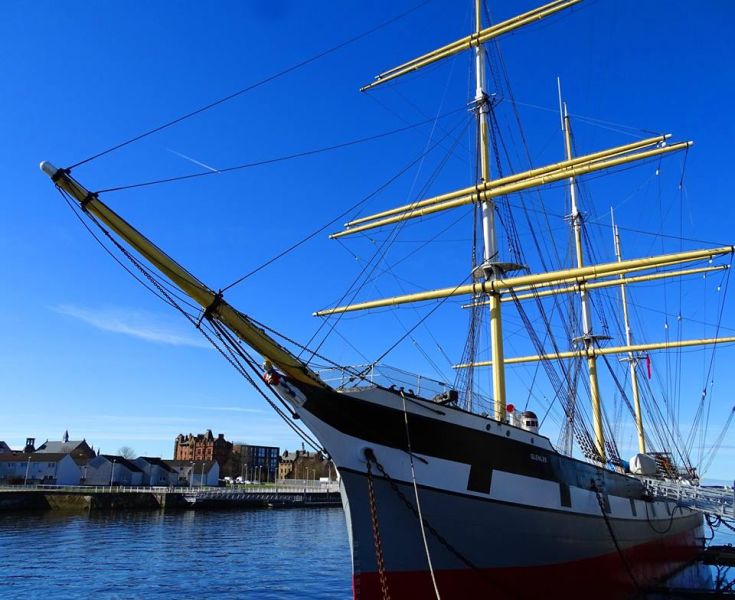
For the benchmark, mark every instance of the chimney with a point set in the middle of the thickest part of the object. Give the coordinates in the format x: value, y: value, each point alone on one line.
x: 65, y: 438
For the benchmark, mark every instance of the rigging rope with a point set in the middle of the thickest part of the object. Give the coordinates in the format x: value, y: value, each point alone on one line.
x: 416, y: 495
x: 484, y: 574
x: 253, y: 86
x: 285, y: 157
x: 603, y: 507
x: 344, y: 213
x: 356, y: 286
x: 168, y: 298
x: 70, y: 203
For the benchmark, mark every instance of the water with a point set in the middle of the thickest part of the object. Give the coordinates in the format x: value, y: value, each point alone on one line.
x: 260, y: 554
x: 263, y: 554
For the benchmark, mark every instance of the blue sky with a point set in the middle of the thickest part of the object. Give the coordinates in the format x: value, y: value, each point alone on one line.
x: 87, y: 349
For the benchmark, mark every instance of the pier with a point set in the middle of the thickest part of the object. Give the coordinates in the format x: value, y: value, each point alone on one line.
x: 68, y: 498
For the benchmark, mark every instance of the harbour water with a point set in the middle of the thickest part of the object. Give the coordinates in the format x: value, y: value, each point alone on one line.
x: 259, y: 554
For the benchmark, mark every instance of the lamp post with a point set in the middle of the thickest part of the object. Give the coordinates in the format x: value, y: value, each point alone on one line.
x: 191, y: 475
x: 201, y: 480
x: 28, y: 466
x: 112, y: 472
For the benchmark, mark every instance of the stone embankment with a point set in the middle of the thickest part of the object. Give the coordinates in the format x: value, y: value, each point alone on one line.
x: 123, y: 498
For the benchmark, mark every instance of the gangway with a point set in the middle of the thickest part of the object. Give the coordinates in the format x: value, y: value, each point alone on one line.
x: 713, y: 500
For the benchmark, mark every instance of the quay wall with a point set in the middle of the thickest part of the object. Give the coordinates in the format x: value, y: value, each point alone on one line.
x: 81, y: 500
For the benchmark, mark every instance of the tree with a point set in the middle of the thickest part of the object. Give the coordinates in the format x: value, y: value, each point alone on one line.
x: 126, y: 452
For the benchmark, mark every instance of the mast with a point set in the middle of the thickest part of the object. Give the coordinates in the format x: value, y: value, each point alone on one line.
x: 490, y: 267
x: 631, y: 359
x: 587, y: 339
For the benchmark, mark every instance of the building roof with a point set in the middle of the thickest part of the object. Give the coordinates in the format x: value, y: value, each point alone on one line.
x: 4, y: 448
x: 121, y: 461
x: 290, y: 456
x: 60, y: 447
x: 180, y: 464
x: 159, y: 462
x: 43, y: 457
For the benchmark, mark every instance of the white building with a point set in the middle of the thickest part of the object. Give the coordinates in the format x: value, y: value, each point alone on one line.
x: 49, y: 468
x: 106, y: 469
x: 195, y: 473
x: 156, y: 472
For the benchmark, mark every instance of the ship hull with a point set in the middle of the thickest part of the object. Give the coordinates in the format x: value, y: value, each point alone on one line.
x: 504, y: 514
x: 495, y: 550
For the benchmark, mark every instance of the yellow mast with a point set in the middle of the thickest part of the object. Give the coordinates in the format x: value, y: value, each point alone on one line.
x: 491, y: 266
x: 631, y: 359
x: 587, y: 339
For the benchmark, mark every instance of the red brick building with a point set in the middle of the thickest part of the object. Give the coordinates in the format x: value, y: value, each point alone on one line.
x: 203, y: 446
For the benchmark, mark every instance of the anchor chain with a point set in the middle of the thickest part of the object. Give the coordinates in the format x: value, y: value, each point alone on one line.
x: 604, y: 507
x: 376, y: 533
x: 371, y: 458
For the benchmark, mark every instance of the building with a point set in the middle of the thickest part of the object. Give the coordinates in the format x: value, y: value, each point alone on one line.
x: 4, y: 448
x: 46, y: 468
x: 203, y: 446
x: 285, y: 465
x: 156, y: 472
x: 303, y: 464
x: 259, y: 463
x: 195, y: 473
x: 107, y: 469
x: 77, y: 448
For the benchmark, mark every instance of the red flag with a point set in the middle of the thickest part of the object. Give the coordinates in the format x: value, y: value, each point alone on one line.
x: 648, y: 365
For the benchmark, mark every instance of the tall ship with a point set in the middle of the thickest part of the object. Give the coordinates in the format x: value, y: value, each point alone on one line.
x: 449, y: 493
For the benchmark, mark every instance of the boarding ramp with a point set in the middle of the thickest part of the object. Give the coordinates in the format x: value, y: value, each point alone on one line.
x: 713, y: 500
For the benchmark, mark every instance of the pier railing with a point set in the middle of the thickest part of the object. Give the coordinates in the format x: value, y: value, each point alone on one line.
x: 89, y: 489
x: 310, y: 488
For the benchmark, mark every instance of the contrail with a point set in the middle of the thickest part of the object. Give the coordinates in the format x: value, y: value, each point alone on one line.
x: 190, y: 159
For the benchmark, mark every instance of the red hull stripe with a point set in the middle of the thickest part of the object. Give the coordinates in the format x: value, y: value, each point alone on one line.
x: 602, y: 578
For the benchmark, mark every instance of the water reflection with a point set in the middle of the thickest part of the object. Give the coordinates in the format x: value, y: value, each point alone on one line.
x: 238, y: 554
